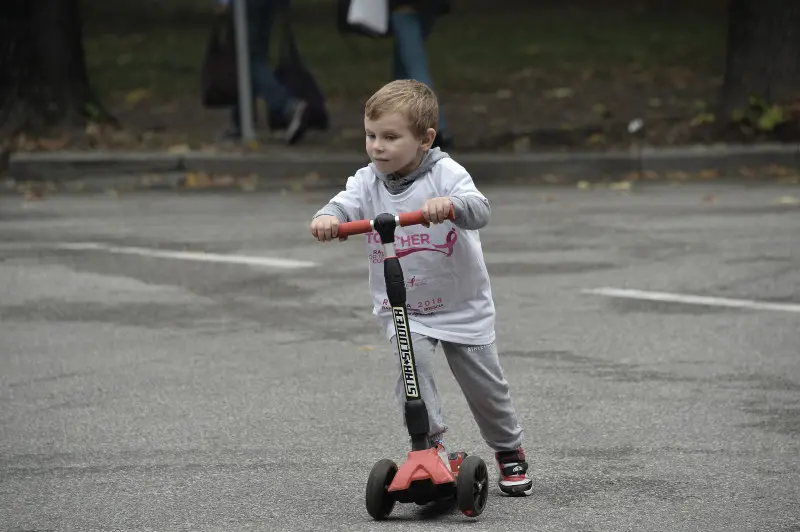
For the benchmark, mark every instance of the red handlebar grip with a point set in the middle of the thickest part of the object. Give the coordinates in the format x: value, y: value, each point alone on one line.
x: 411, y: 218
x: 354, y: 228
x: 416, y: 218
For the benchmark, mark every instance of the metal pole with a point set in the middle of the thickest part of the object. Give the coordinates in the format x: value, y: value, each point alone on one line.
x: 243, y: 70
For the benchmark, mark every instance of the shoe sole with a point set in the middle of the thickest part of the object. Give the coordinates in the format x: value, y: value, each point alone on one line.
x: 516, y: 491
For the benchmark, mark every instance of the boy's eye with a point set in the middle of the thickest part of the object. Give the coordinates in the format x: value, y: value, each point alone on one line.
x: 370, y: 136
x: 390, y: 137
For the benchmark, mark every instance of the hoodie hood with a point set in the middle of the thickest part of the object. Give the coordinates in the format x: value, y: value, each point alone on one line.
x: 396, y: 184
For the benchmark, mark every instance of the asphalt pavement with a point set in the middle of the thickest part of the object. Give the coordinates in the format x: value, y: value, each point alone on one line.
x: 196, y: 361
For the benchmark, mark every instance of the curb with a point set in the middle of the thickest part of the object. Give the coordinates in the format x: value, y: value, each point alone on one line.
x: 308, y: 170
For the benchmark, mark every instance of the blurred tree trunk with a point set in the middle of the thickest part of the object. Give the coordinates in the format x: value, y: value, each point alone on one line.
x: 763, y: 58
x: 43, y: 80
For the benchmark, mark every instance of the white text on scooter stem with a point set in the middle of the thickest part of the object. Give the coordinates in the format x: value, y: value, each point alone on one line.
x: 401, y: 329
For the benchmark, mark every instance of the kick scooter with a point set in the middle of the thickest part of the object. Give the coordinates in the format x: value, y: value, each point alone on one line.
x: 424, y: 477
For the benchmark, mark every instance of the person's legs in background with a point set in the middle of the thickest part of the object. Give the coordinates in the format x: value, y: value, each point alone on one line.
x: 410, y: 60
x: 260, y: 16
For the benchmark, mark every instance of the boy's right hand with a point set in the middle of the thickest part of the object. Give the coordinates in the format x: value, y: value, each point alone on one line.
x: 325, y: 228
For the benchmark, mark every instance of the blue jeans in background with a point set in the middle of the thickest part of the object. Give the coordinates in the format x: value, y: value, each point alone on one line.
x: 260, y: 17
x: 410, y: 30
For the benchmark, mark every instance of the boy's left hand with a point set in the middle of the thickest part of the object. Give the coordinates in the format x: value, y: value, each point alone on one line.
x: 437, y: 210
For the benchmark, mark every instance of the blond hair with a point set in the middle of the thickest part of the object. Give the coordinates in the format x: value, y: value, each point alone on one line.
x: 411, y: 98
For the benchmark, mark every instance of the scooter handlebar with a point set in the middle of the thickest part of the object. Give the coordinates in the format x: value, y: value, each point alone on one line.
x: 359, y: 227
x: 354, y: 228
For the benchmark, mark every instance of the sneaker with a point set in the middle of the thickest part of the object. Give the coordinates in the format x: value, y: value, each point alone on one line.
x: 514, y: 479
x: 439, y: 446
x: 298, y: 122
x: 451, y: 460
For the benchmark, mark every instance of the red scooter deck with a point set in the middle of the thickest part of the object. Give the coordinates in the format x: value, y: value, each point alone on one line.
x: 421, y: 465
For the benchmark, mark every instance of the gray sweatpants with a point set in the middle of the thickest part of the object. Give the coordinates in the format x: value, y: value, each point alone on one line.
x: 477, y: 371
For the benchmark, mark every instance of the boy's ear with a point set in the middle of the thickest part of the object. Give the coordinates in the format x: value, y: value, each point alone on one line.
x: 428, y: 138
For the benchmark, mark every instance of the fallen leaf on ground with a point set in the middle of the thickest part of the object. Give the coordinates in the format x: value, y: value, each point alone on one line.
x: 780, y: 171
x: 223, y: 180
x: 92, y: 129
x: 680, y: 176
x: 788, y: 200
x: 197, y: 180
x: 522, y: 145
x: 702, y: 118
x: 584, y: 185
x: 600, y: 109
x: 560, y: 93
x: 150, y: 179
x: 34, y: 194
x: 747, y: 171
x: 596, y: 139
x: 632, y: 176
x: 53, y: 144
x: 709, y: 174
x: 137, y: 95
x: 179, y: 148
x: 122, y: 137
x: 249, y: 183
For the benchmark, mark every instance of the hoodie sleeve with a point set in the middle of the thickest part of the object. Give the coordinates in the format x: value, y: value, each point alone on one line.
x: 347, y: 204
x: 471, y: 207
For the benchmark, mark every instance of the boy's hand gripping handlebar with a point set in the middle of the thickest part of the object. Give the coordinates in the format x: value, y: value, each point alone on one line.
x: 359, y: 227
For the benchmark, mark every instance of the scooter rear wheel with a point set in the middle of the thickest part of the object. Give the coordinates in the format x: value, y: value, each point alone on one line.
x: 379, y: 501
x: 472, y: 486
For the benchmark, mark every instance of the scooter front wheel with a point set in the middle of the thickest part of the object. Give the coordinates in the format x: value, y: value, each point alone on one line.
x: 379, y: 501
x: 472, y: 486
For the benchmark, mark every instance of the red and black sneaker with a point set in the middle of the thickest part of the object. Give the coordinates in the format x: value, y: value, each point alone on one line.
x: 514, y: 479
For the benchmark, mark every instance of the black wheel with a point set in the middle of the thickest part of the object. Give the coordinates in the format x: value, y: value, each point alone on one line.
x: 472, y: 486
x: 379, y: 501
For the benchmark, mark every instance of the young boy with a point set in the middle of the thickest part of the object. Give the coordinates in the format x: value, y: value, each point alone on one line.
x: 448, y: 289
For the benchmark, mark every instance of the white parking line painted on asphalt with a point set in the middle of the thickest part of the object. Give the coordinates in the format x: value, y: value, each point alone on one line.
x: 692, y: 300
x: 271, y: 262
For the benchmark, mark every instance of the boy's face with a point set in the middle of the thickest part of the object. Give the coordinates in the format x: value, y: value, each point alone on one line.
x: 392, y: 145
